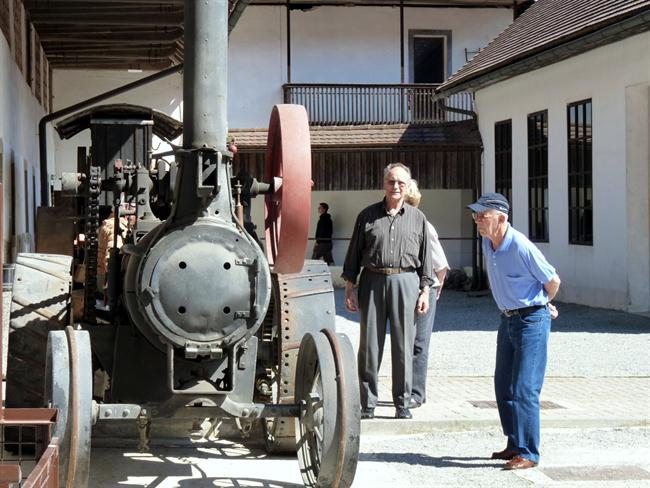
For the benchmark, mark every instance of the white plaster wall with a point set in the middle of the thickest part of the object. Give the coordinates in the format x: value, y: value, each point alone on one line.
x: 594, y: 275
x: 257, y: 66
x: 637, y: 101
x: 74, y: 86
x: 445, y: 209
x: 328, y: 45
x: 19, y: 119
x: 336, y: 45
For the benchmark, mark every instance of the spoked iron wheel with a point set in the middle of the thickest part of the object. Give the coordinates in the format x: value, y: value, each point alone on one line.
x: 68, y: 387
x: 287, y: 209
x: 329, y: 423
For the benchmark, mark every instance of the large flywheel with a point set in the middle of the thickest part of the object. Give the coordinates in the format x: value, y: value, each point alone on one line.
x: 329, y: 424
x: 68, y: 387
x: 288, y: 207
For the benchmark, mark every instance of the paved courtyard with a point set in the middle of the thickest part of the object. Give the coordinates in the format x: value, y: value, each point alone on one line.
x: 595, y: 420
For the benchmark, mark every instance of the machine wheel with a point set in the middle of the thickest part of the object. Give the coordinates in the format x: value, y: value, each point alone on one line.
x: 329, y: 424
x: 287, y: 209
x: 40, y: 303
x: 68, y: 387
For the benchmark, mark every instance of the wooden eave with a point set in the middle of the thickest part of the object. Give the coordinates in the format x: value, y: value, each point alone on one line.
x: 148, y: 34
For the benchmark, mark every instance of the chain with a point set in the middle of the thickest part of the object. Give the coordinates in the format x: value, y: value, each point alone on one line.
x: 91, y: 241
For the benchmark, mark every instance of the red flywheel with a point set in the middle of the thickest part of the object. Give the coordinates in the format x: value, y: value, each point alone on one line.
x: 288, y: 208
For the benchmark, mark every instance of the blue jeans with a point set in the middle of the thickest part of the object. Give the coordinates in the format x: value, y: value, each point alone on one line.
x: 518, y: 378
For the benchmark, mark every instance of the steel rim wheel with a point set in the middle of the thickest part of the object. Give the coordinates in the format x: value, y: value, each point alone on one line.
x: 69, y: 388
x: 287, y: 210
x: 329, y: 424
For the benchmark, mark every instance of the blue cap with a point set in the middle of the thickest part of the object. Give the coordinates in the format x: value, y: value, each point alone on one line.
x: 490, y: 201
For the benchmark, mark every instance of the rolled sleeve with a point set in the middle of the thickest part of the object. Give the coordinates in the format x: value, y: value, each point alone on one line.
x: 352, y: 264
x: 426, y: 270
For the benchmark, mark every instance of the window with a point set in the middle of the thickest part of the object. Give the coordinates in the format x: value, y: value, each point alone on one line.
x: 430, y: 54
x: 503, y: 160
x: 538, y: 176
x: 580, y: 181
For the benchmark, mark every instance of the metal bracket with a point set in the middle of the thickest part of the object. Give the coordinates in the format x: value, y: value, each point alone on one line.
x: 207, y: 170
x: 194, y: 350
x: 117, y: 411
x: 201, y: 387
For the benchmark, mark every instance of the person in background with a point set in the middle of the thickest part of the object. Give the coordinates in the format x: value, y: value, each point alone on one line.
x: 390, y: 242
x: 523, y: 283
x: 424, y: 323
x: 324, y: 230
x: 107, y: 238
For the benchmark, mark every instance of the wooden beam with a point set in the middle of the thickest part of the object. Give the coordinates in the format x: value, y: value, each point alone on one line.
x: 121, y: 37
x: 73, y: 18
x: 112, y: 64
x: 111, y: 53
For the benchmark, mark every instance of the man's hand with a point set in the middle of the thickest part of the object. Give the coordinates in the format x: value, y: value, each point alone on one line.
x: 351, y: 303
x: 553, y: 310
x: 422, y: 305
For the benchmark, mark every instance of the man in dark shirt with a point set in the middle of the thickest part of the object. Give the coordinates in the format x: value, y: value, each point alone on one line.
x: 390, y: 242
x: 324, y: 229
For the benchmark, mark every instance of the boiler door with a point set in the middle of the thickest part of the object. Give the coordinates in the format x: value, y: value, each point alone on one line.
x: 204, y: 284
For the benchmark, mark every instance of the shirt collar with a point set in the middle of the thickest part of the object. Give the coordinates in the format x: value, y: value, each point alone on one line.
x: 507, y: 239
x: 400, y: 211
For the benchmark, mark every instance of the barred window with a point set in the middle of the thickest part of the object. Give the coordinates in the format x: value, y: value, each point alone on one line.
x: 503, y: 160
x: 580, y: 174
x: 538, y: 176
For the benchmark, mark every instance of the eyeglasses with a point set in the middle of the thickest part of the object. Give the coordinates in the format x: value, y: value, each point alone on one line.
x: 478, y: 217
x: 401, y: 184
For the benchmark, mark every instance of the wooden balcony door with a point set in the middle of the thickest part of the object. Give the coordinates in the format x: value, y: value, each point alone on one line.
x: 430, y: 63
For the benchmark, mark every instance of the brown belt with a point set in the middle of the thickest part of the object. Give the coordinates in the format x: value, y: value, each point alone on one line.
x: 389, y: 271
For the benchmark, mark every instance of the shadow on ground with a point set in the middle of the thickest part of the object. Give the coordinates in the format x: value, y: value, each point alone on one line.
x: 183, y: 464
x: 476, y: 311
x: 424, y: 460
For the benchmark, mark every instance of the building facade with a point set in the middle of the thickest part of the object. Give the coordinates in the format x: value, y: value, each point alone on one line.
x: 567, y: 141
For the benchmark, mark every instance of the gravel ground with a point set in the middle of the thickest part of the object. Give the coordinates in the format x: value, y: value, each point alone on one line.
x: 585, y: 341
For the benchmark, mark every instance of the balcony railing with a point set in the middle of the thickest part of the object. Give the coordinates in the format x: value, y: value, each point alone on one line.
x: 361, y: 104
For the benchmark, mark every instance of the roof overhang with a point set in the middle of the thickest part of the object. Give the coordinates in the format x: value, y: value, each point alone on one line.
x: 550, y: 55
x: 148, y: 34
x: 164, y: 126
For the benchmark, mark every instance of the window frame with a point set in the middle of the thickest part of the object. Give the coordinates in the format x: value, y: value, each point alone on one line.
x: 537, y: 144
x: 445, y: 34
x: 503, y: 160
x: 580, y: 173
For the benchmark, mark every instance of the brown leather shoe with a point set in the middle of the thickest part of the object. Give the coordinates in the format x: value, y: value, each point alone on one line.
x: 506, y: 454
x: 520, y: 463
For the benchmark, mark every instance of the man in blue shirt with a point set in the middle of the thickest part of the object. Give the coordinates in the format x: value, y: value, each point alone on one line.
x: 523, y: 283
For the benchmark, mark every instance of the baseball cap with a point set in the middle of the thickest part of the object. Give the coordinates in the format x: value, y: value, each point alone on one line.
x: 490, y: 201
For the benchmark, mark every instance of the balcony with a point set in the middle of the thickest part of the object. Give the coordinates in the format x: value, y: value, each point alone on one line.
x: 371, y: 104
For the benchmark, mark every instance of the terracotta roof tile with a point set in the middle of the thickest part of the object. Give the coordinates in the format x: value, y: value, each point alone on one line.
x: 463, y: 133
x: 546, y: 24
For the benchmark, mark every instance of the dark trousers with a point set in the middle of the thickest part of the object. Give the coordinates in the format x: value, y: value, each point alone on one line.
x: 423, y: 329
x: 323, y: 250
x: 518, y: 378
x: 385, y: 298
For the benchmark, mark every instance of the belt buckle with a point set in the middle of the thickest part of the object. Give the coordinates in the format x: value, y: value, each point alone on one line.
x: 509, y: 313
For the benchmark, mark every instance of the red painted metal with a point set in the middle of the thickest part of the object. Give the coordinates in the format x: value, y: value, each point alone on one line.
x: 39, y: 420
x: 288, y: 208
